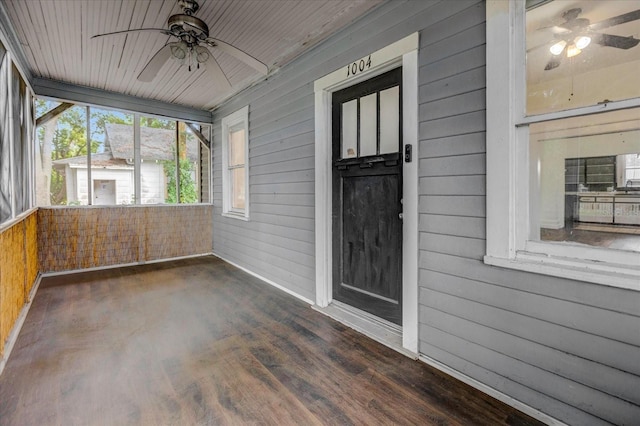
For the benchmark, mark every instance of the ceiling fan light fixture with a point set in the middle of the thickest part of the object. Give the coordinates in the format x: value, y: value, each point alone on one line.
x: 179, y: 50
x: 557, y: 48
x: 582, y: 41
x: 202, y: 54
x: 573, y: 50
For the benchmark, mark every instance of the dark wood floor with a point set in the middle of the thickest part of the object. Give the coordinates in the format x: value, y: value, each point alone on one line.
x: 198, y: 341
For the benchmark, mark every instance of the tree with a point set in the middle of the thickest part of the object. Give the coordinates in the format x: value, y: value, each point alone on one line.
x: 188, y: 191
x: 65, y: 137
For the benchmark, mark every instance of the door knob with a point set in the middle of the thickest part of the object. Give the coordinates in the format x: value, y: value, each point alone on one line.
x: 400, y: 216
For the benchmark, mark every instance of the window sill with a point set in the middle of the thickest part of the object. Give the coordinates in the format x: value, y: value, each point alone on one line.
x: 605, y: 273
x: 239, y: 216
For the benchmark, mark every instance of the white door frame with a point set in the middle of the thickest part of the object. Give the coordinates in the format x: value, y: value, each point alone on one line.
x: 401, y: 53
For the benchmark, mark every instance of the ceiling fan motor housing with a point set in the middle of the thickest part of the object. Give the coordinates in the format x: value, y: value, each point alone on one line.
x: 186, y: 27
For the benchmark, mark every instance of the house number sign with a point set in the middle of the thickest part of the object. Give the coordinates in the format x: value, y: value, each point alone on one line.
x: 359, y: 66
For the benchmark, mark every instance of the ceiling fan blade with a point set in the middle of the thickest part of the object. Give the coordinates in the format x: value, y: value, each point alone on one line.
x: 616, y: 20
x: 619, y: 42
x: 153, y: 66
x: 254, y: 63
x: 555, y: 60
x: 162, y: 30
x: 213, y: 70
x: 553, y: 63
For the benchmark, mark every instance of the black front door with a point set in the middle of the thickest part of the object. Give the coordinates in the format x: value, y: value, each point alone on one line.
x: 367, y: 196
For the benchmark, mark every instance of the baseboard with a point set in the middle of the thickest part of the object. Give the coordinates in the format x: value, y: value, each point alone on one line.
x: 518, y: 405
x: 122, y: 265
x: 15, y: 331
x: 266, y: 280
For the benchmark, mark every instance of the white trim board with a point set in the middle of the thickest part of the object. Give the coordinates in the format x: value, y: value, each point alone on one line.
x: 266, y: 280
x: 526, y: 409
x: 403, y: 53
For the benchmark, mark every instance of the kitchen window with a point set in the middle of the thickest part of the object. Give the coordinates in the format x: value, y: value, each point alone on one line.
x: 235, y: 161
x: 573, y: 124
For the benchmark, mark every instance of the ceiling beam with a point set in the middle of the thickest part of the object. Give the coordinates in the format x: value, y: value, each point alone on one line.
x: 43, y: 119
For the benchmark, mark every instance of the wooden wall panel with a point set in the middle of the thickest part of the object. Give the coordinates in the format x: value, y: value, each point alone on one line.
x: 18, y: 272
x: 93, y: 237
x: 12, y: 278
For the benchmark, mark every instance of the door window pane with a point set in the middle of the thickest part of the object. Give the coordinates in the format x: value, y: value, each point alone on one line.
x: 368, y: 125
x: 350, y: 129
x: 389, y: 120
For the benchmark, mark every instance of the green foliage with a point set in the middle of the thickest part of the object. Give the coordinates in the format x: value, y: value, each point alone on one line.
x: 188, y: 192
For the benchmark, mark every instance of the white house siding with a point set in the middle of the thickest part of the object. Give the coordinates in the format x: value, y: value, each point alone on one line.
x: 124, y: 182
x: 567, y: 348
x: 152, y: 182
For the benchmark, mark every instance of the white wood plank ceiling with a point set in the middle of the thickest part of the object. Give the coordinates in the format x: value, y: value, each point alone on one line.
x: 56, y: 38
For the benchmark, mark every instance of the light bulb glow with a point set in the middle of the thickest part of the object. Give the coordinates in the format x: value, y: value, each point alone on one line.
x: 582, y: 42
x: 572, y: 51
x: 557, y: 48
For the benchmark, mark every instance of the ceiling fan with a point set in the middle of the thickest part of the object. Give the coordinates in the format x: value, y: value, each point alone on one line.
x: 576, y: 33
x: 192, y: 34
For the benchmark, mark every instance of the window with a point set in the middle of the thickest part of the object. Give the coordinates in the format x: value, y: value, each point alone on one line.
x: 235, y: 161
x: 16, y: 126
x: 559, y: 197
x: 117, y: 158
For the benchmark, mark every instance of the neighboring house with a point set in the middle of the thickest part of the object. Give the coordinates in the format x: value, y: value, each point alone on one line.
x: 112, y: 171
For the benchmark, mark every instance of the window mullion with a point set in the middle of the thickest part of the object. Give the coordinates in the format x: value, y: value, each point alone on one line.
x: 89, y: 182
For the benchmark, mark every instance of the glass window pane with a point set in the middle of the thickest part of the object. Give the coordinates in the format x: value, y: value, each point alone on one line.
x: 390, y: 120
x: 236, y: 147
x: 5, y: 166
x: 112, y: 158
x: 368, y: 125
x: 350, y: 129
x: 579, y: 56
x: 158, y: 153
x: 205, y: 168
x: 189, y: 165
x: 579, y: 165
x: 237, y: 188
x: 19, y: 149
x: 61, y: 170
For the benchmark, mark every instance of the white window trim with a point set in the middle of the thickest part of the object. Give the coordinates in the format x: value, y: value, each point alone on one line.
x: 508, y: 165
x: 403, y: 53
x: 233, y: 122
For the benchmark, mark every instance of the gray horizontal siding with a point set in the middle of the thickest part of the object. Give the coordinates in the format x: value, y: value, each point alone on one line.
x: 567, y: 348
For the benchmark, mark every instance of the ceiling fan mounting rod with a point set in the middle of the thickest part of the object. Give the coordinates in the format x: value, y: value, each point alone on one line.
x: 189, y: 7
